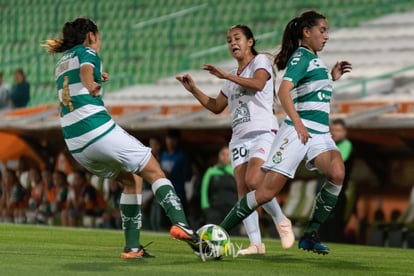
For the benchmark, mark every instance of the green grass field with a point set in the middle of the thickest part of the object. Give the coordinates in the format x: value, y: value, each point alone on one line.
x: 39, y: 250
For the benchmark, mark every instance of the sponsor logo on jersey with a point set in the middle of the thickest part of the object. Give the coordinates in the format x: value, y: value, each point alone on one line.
x: 323, y: 96
x: 241, y: 115
x: 261, y: 150
x: 294, y: 61
x: 296, y: 58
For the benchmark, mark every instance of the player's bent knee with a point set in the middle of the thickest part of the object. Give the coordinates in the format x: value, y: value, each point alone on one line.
x: 264, y: 195
x: 251, y: 184
x: 126, y: 178
x: 337, y: 173
x: 337, y: 177
x: 152, y: 176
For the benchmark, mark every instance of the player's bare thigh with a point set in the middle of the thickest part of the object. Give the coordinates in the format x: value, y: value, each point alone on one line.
x: 239, y: 176
x: 332, y: 165
x: 254, y: 174
x: 152, y: 171
x: 272, y: 184
x: 132, y: 183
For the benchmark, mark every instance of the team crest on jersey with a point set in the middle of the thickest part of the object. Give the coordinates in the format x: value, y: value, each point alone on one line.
x: 241, y: 114
x: 277, y: 158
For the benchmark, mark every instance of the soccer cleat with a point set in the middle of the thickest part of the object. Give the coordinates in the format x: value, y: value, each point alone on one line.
x: 128, y: 253
x: 287, y: 237
x: 146, y: 254
x: 254, y: 248
x: 182, y: 233
x: 311, y: 242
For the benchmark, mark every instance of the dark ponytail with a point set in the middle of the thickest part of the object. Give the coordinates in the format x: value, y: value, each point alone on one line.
x: 73, y: 33
x: 292, y: 34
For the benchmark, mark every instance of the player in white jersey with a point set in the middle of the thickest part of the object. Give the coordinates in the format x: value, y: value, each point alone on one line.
x: 100, y: 145
x: 248, y: 91
x: 305, y: 95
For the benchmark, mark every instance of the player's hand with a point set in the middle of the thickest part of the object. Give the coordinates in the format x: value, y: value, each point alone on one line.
x: 215, y: 71
x: 95, y: 89
x: 187, y: 81
x: 303, y: 133
x: 105, y: 76
x: 340, y: 68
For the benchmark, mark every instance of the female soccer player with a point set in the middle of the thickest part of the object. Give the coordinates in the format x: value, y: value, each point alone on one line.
x: 100, y: 145
x: 305, y: 95
x: 248, y: 91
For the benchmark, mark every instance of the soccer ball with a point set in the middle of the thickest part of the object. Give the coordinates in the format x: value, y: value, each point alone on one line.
x: 217, y: 239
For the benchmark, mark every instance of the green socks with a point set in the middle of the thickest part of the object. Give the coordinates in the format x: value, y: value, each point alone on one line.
x: 165, y: 195
x: 243, y: 208
x: 325, y: 201
x: 130, y: 205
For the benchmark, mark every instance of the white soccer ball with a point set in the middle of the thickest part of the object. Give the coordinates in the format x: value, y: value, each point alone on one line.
x: 217, y: 239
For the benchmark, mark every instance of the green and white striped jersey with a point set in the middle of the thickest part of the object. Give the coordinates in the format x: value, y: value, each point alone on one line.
x: 313, y: 89
x: 84, y: 119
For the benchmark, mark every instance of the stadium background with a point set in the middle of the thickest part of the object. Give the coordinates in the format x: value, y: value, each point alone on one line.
x: 145, y: 43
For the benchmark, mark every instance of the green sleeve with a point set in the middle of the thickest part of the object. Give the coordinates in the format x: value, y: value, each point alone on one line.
x: 204, y: 189
x: 297, y: 66
x: 345, y: 148
x: 229, y: 169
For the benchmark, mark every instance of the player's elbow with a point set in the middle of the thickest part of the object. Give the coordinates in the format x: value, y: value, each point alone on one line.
x: 259, y: 87
x: 216, y: 111
x: 215, y: 108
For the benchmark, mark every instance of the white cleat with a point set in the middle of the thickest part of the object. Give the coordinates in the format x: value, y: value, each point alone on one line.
x: 254, y: 248
x: 287, y: 237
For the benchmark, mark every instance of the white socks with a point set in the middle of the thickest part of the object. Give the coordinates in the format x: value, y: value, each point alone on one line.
x: 251, y: 223
x: 273, y: 208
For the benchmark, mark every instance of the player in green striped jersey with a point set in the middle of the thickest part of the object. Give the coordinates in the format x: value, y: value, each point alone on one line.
x: 305, y: 95
x: 100, y: 145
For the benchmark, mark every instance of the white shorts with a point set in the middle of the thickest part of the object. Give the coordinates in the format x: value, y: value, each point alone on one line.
x: 115, y: 152
x: 241, y: 151
x: 288, y: 151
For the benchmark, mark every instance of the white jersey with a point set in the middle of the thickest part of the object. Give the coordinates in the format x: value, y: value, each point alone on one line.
x: 251, y: 111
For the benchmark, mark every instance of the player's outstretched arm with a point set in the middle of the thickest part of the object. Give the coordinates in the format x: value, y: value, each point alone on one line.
x: 216, y: 105
x: 256, y: 83
x: 340, y: 68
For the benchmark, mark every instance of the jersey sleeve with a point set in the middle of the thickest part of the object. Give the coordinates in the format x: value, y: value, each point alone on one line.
x: 296, y: 67
x: 88, y: 56
x: 226, y: 89
x: 261, y: 62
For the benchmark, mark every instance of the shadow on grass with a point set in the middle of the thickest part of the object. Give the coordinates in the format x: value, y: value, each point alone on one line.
x: 89, y: 267
x: 311, y: 260
x: 268, y: 263
x: 117, y: 265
